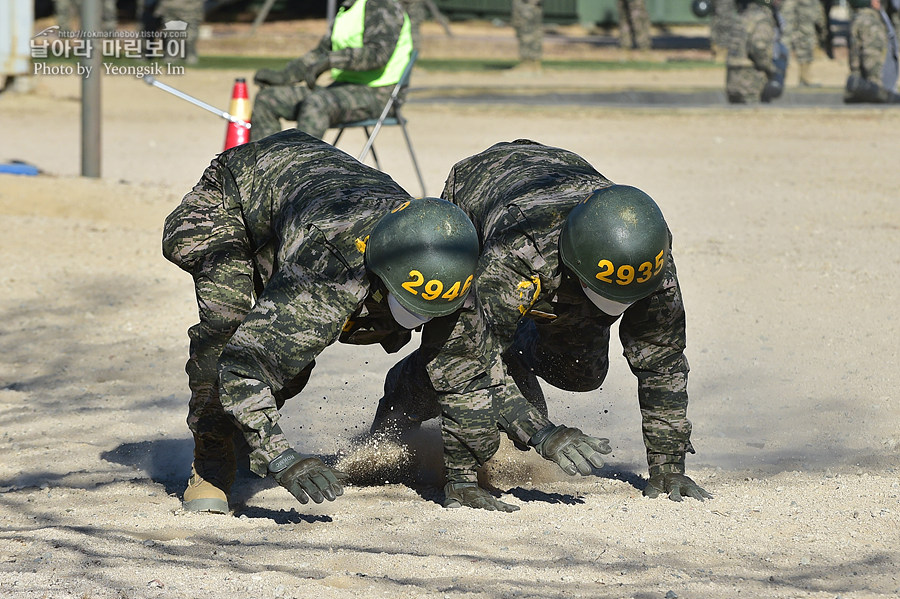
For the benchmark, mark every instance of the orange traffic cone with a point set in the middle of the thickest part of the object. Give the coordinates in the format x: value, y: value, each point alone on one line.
x: 237, y: 134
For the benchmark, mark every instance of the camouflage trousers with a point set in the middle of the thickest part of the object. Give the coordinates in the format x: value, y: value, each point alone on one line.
x: 470, y: 418
x: 210, y: 244
x: 634, y: 24
x: 724, y: 16
x: 417, y: 13
x: 315, y: 111
x: 744, y: 85
x: 527, y: 20
x: 189, y: 11
x: 801, y: 17
x: 69, y: 10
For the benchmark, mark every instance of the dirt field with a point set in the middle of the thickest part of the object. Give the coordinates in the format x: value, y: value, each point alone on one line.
x: 786, y: 224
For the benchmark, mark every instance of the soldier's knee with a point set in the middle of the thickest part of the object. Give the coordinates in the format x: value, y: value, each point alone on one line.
x: 580, y: 376
x: 313, y: 106
x: 266, y: 100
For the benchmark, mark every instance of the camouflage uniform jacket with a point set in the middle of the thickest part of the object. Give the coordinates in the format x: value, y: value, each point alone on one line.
x: 299, y: 207
x: 383, y: 23
x: 518, y: 195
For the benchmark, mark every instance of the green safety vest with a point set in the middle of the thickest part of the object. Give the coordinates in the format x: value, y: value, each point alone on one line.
x: 347, y: 32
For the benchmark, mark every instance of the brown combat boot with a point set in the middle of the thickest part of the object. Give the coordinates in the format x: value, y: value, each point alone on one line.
x: 203, y: 496
x: 525, y: 68
x: 212, y: 475
x: 806, y: 75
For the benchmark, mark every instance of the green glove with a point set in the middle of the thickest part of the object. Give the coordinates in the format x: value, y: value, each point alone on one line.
x: 471, y: 495
x: 264, y: 77
x: 677, y: 486
x: 316, y: 69
x: 307, y: 477
x: 570, y: 448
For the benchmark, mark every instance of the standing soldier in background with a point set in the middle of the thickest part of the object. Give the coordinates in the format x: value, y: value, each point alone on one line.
x: 724, y: 20
x: 367, y: 49
x: 566, y: 254
x: 803, y: 19
x: 634, y: 25
x: 69, y: 10
x: 872, y: 55
x: 757, y: 59
x: 417, y: 13
x: 528, y: 21
x: 189, y: 11
x: 293, y: 245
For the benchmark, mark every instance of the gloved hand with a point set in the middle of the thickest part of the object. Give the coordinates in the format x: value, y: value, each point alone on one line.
x: 678, y: 486
x: 313, y: 71
x: 570, y: 448
x: 471, y: 495
x: 264, y: 77
x: 307, y: 477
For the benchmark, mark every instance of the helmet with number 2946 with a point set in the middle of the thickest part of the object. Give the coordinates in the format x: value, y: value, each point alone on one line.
x: 425, y: 252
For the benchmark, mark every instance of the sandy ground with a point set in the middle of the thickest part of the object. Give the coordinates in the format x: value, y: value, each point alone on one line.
x: 786, y: 224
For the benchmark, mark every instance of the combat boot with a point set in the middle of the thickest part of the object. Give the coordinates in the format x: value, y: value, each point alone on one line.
x: 203, y: 496
x: 526, y: 68
x: 806, y: 75
x: 212, y: 475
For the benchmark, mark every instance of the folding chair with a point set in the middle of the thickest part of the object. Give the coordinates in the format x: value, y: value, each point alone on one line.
x: 390, y: 116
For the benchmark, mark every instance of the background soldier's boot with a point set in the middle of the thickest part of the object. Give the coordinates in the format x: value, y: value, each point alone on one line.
x: 806, y: 79
x: 526, y: 68
x: 212, y: 475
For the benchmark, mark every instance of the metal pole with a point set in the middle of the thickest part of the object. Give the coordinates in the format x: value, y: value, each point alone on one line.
x: 168, y: 88
x: 332, y: 9
x: 261, y: 15
x: 90, y: 91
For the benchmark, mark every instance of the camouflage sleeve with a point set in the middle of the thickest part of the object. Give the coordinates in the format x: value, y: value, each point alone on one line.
x: 384, y: 20
x: 507, y: 287
x: 300, y: 313
x: 653, y: 337
x: 760, y: 47
x: 296, y: 69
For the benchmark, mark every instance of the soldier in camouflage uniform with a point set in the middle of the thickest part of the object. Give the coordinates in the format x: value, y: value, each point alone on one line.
x: 417, y: 12
x: 803, y: 19
x: 873, y: 55
x: 724, y: 20
x: 293, y: 245
x: 634, y: 24
x: 367, y: 49
x: 530, y: 204
x: 757, y: 59
x: 528, y: 22
x: 189, y: 11
x: 67, y: 10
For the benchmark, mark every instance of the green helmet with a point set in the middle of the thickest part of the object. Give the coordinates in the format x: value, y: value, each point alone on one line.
x: 425, y: 252
x: 617, y: 243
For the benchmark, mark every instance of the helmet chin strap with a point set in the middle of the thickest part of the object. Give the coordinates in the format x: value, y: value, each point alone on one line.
x: 606, y: 306
x: 405, y: 318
